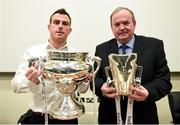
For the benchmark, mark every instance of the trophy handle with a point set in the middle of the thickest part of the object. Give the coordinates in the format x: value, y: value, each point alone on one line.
x: 98, y: 61
x: 138, y: 75
x: 107, y: 71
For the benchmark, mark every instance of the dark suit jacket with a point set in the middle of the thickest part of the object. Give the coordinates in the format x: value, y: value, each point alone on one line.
x: 155, y: 78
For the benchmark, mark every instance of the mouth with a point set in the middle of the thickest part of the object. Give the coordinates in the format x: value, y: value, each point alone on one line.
x: 123, y: 34
x: 59, y: 32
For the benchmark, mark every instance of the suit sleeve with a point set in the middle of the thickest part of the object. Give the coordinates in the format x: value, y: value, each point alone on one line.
x: 160, y: 86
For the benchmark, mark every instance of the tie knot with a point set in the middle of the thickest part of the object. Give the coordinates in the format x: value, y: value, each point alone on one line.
x: 124, y: 47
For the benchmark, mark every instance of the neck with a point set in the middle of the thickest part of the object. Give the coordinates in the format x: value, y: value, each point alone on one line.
x: 57, y: 44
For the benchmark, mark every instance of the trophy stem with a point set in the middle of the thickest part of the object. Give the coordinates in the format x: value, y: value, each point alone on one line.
x: 68, y: 108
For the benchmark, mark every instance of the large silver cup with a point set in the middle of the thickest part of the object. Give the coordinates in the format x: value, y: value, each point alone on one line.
x: 123, y: 69
x: 68, y: 70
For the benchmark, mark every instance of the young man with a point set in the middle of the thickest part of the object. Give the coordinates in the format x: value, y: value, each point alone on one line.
x: 26, y: 78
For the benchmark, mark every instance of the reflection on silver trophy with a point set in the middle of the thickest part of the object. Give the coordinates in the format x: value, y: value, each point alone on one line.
x: 68, y: 70
x: 123, y: 69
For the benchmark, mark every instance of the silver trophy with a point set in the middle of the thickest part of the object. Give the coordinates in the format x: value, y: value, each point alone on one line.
x: 68, y: 70
x: 123, y: 69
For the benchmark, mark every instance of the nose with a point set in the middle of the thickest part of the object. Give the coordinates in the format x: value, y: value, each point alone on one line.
x: 122, y: 26
x: 60, y: 25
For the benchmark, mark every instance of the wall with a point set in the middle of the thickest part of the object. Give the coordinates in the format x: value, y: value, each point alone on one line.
x: 13, y: 105
x: 24, y: 23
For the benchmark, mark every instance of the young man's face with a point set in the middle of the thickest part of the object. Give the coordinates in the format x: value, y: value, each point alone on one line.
x: 59, y: 27
x: 123, y: 26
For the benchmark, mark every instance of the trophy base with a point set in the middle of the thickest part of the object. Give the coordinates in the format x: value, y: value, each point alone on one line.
x: 68, y: 109
x: 67, y: 115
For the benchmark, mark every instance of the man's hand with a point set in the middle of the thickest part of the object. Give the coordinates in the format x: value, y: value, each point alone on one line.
x: 139, y: 93
x: 109, y: 91
x: 33, y: 73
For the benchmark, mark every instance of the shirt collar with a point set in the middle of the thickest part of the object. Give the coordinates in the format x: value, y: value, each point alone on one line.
x: 64, y: 48
x: 130, y: 44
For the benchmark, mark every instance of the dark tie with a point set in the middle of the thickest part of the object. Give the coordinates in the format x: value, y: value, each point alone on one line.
x: 124, y: 47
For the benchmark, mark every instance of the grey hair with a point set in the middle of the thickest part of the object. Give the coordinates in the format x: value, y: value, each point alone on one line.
x: 122, y: 8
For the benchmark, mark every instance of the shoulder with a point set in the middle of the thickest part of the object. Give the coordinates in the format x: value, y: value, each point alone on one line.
x: 107, y: 43
x: 37, y: 50
x: 37, y: 47
x: 147, y: 39
x: 72, y: 49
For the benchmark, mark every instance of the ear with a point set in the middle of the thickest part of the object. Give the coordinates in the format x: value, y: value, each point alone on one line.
x: 48, y: 26
x: 70, y: 30
x: 134, y: 23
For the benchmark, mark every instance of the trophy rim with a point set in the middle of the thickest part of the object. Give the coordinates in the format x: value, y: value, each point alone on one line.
x: 73, y: 52
x: 67, y: 55
x: 114, y: 54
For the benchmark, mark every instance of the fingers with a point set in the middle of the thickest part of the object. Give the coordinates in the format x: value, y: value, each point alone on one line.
x: 111, y: 95
x: 36, y: 64
x: 90, y: 77
x: 33, y: 73
x: 109, y: 92
x: 139, y: 93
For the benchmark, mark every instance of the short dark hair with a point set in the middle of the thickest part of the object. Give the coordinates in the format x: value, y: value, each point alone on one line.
x: 61, y: 11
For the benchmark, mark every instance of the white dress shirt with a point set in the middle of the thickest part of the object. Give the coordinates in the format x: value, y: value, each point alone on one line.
x: 21, y: 84
x: 130, y: 45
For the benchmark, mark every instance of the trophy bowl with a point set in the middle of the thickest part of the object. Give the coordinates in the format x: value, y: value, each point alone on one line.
x: 68, y: 70
x: 123, y: 69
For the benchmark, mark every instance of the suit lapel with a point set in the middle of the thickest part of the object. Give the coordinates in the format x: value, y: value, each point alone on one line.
x: 113, y: 47
x: 138, y: 48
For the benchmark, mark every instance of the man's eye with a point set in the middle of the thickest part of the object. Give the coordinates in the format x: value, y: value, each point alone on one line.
x: 56, y: 22
x: 117, y: 24
x: 65, y: 23
x: 126, y: 23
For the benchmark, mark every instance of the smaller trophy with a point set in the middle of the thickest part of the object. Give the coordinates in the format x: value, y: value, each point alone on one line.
x: 125, y: 73
x: 123, y: 69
